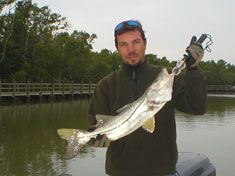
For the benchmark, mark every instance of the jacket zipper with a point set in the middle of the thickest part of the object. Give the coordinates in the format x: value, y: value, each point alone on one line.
x: 134, y: 76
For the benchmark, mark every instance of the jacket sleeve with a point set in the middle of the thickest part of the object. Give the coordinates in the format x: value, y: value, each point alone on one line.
x: 99, y: 103
x: 190, y: 92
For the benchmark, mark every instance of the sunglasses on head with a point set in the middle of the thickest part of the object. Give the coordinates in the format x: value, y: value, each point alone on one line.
x: 129, y: 22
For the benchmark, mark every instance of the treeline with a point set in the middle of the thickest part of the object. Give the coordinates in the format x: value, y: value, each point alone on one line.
x: 35, y: 45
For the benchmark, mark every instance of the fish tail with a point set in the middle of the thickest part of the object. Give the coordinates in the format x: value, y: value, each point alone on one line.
x: 75, y: 144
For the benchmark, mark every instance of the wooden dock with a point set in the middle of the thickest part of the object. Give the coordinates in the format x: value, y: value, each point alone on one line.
x: 28, y: 89
x: 221, y: 89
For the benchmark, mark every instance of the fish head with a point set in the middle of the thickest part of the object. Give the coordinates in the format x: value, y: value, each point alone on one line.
x: 161, y: 89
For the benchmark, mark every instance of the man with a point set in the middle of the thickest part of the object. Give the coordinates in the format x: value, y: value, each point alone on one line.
x: 142, y: 153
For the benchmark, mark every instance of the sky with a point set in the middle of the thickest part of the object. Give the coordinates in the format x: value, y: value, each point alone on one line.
x: 168, y: 24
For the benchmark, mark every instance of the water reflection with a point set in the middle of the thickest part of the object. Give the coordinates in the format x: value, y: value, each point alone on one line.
x: 29, y: 144
x: 220, y: 111
x: 210, y: 134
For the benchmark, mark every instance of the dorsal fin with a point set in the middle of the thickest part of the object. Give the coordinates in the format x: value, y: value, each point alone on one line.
x: 125, y: 107
x: 102, y: 119
x: 122, y: 109
x: 149, y: 125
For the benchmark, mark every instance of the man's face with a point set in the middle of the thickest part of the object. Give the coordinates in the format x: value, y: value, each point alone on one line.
x: 131, y: 47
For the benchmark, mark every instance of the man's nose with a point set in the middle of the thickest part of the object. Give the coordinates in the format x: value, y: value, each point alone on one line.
x: 131, y: 48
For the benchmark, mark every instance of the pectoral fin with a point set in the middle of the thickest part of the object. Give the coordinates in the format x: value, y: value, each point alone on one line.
x: 149, y: 125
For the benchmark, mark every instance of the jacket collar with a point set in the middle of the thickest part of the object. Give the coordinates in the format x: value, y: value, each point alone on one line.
x: 133, y: 72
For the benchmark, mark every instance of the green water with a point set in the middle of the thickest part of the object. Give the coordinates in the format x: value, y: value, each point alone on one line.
x: 29, y: 144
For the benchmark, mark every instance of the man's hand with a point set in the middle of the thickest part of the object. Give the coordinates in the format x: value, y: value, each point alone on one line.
x: 99, y: 141
x: 195, y: 54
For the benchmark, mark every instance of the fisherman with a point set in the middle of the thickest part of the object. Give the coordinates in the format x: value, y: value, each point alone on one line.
x: 142, y: 153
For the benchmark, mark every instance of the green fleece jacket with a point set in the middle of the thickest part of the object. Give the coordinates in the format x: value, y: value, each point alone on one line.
x: 142, y: 153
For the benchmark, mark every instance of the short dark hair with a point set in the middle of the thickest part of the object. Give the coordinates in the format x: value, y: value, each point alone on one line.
x: 126, y: 27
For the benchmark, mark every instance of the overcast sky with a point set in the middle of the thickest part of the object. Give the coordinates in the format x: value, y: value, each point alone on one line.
x: 169, y: 24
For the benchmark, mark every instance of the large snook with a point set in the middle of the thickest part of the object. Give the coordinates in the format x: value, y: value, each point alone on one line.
x: 139, y: 113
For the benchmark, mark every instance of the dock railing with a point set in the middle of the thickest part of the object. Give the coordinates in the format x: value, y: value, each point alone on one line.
x: 28, y: 89
x: 39, y: 89
x: 223, y: 89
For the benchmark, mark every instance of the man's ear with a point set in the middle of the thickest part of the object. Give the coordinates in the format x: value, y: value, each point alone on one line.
x: 116, y: 47
x: 145, y: 43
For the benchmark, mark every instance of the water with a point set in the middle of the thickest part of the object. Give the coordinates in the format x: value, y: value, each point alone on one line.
x: 211, y: 134
x: 29, y: 144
